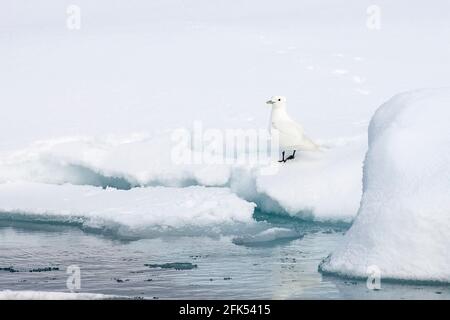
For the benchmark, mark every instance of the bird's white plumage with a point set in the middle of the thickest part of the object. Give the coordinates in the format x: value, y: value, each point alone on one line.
x: 291, y: 134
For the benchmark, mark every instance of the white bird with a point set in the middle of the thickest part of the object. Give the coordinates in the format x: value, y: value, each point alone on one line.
x: 290, y: 134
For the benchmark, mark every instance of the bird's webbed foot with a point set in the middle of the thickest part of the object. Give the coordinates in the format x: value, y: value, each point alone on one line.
x: 282, y: 160
x: 291, y: 157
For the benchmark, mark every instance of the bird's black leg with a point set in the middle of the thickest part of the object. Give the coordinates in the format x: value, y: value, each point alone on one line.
x: 282, y: 160
x: 291, y: 157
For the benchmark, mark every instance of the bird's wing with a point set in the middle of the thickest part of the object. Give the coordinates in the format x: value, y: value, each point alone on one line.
x: 308, y: 144
x: 292, y: 134
x: 289, y: 128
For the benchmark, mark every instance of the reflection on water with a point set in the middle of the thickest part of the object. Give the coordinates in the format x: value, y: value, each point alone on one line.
x: 285, y: 270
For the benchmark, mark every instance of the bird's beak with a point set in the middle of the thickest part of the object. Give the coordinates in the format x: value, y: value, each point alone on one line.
x: 269, y: 102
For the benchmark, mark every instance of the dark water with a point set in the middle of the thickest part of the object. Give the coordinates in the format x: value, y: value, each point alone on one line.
x: 185, y: 267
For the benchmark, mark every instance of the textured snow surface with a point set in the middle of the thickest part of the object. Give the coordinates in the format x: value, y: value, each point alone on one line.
x: 404, y: 219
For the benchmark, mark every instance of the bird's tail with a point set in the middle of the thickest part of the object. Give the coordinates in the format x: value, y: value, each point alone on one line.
x: 311, y: 145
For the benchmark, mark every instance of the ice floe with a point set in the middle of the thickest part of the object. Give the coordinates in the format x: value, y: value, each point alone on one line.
x: 139, y: 212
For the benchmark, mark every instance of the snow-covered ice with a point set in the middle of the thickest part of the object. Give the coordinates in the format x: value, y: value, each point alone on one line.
x: 132, y: 160
x: 306, y: 187
x: 139, y: 212
x: 404, y: 219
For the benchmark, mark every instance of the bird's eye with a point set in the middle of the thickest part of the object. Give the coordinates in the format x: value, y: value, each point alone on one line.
x: 279, y: 99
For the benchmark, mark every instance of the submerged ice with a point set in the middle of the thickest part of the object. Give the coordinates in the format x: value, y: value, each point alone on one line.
x: 267, y: 236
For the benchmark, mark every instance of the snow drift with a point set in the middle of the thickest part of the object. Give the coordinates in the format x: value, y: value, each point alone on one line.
x: 404, y: 220
x: 139, y: 212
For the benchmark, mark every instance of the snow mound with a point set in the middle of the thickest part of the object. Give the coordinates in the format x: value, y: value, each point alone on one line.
x: 404, y: 220
x: 48, y: 295
x: 139, y: 212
